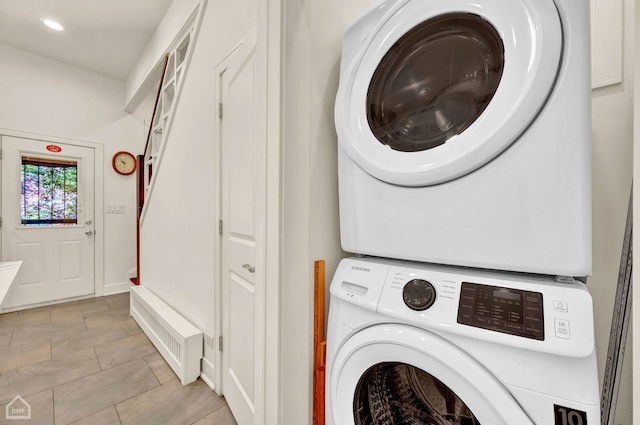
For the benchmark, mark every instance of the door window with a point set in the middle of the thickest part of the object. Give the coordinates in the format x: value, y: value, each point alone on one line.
x: 434, y: 82
x: 392, y: 393
x: 49, y: 192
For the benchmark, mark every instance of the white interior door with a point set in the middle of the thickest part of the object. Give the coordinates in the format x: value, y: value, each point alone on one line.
x: 243, y: 172
x: 48, y: 219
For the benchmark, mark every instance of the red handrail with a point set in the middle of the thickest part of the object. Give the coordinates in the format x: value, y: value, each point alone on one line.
x: 155, y: 106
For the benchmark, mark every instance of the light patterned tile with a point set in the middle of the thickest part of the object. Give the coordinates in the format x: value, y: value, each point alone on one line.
x: 65, y: 304
x: 108, y: 416
x: 47, y: 374
x: 83, y: 339
x: 170, y: 404
x: 41, y: 410
x: 119, y: 301
x: 130, y: 326
x: 79, y: 310
x: 107, y: 318
x: 15, y: 321
x: 124, y: 350
x: 221, y: 416
x: 5, y: 339
x: 160, y: 368
x: 91, y: 394
x: 33, y: 310
x: 7, y: 316
x: 24, y: 355
x: 45, y: 331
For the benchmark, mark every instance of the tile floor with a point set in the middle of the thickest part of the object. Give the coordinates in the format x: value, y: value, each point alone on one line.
x: 88, y: 362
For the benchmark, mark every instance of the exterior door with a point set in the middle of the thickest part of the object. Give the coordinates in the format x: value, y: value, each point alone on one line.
x: 48, y: 219
x: 243, y: 172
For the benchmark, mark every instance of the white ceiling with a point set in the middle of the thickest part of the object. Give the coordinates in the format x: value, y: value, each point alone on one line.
x: 104, y: 36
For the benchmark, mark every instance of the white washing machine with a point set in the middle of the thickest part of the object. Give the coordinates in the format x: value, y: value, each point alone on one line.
x: 464, y: 134
x: 410, y: 343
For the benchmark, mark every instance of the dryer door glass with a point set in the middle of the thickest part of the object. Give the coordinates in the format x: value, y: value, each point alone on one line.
x: 399, y: 394
x: 434, y: 82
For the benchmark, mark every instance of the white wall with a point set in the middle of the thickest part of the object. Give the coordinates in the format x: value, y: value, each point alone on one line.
x: 313, y: 45
x: 612, y: 124
x: 39, y: 95
x: 179, y: 225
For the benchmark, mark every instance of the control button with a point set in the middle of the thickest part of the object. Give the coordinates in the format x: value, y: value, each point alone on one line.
x: 562, y: 329
x: 561, y: 306
x: 418, y: 294
x: 515, y: 327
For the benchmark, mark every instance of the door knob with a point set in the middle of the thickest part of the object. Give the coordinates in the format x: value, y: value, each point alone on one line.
x: 249, y: 268
x: 88, y: 233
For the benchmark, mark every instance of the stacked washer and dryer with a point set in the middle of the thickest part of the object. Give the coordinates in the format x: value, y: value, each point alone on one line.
x: 464, y: 162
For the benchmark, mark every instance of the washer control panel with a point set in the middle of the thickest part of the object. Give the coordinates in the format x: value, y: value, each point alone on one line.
x: 523, y: 311
x: 508, y: 310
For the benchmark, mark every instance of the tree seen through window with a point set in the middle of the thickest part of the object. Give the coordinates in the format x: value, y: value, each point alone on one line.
x: 49, y: 192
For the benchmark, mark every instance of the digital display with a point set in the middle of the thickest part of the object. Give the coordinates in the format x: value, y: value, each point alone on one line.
x: 501, y: 309
x: 500, y: 304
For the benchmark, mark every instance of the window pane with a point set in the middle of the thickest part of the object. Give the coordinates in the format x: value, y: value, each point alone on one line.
x: 49, y: 192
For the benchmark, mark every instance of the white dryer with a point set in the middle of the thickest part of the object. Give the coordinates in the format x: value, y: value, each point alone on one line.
x: 464, y: 134
x: 410, y: 343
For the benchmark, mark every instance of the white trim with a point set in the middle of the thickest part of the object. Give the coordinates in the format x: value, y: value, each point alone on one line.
x: 117, y: 288
x: 47, y: 303
x: 208, y: 372
x: 273, y: 409
x: 98, y: 195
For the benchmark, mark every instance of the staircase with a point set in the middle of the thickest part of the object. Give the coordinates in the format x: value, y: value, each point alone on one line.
x: 173, y: 69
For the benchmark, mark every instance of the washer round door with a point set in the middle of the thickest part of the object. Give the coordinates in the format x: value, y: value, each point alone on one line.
x: 441, y: 87
x: 395, y: 375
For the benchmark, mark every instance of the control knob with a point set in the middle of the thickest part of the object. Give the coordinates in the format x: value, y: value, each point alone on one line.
x: 418, y: 294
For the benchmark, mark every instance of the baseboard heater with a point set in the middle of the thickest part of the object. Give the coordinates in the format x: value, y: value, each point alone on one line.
x: 179, y: 342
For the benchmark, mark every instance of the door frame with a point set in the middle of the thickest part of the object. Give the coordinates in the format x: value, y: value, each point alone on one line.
x: 269, y: 36
x: 98, y: 198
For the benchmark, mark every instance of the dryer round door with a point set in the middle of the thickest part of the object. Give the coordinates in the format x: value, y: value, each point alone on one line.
x: 395, y: 374
x: 441, y: 87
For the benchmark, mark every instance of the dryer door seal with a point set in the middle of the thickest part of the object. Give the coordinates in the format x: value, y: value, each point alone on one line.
x: 479, y: 395
x: 440, y: 88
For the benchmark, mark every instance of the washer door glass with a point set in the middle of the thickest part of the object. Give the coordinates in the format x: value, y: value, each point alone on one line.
x: 434, y: 82
x: 430, y: 91
x: 397, y: 393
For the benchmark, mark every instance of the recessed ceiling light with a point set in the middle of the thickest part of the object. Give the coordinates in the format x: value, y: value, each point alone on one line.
x: 52, y: 24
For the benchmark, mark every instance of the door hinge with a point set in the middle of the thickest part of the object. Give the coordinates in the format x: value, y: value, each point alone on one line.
x: 220, y: 227
x: 220, y: 343
x: 220, y: 110
x: 0, y: 221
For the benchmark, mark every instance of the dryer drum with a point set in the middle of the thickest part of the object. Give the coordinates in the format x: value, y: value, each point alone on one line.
x: 400, y: 394
x: 435, y: 82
